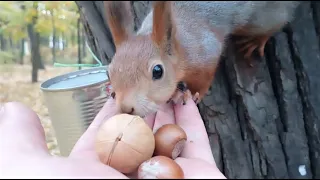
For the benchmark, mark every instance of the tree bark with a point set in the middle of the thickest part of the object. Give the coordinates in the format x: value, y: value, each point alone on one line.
x: 262, y: 121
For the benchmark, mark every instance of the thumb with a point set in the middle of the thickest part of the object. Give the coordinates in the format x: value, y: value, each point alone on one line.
x: 21, y: 130
x: 86, y: 143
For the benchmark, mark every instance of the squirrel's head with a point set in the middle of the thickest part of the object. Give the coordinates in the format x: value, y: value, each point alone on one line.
x: 142, y: 72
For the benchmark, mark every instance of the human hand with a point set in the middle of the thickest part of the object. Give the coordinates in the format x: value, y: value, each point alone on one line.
x: 196, y: 160
x: 24, y: 153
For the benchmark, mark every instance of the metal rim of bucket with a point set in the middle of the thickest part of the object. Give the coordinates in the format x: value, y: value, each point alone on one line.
x: 44, y: 86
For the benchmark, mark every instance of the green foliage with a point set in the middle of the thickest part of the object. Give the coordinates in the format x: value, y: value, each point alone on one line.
x: 62, y: 15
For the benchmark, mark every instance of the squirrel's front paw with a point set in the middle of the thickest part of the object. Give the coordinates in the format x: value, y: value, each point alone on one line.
x: 178, y: 97
x: 248, y: 44
x: 182, y: 94
x: 196, y: 98
x: 182, y: 97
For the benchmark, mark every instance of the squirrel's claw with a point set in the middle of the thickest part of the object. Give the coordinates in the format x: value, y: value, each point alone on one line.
x: 195, y: 98
x: 250, y: 44
x: 184, y: 96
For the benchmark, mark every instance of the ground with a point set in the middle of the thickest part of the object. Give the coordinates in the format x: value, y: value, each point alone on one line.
x: 16, y: 86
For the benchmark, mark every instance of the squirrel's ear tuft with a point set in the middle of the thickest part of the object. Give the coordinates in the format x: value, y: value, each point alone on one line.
x: 119, y: 19
x: 162, y: 24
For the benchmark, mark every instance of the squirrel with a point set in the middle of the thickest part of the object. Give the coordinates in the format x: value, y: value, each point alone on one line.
x: 176, y: 51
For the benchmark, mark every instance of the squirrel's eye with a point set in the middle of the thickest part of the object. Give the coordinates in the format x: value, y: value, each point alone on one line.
x: 157, y: 72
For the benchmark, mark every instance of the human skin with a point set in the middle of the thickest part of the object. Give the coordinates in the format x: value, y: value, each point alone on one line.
x: 24, y: 153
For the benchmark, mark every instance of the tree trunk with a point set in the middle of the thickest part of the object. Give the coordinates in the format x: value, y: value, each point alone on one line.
x: 3, y: 43
x: 73, y: 39
x: 53, y: 49
x: 262, y: 121
x: 22, y: 51
x: 79, y: 42
x: 63, y: 41
x: 35, y: 48
x: 11, y: 43
x: 34, y: 71
x: 83, y: 40
x: 23, y: 40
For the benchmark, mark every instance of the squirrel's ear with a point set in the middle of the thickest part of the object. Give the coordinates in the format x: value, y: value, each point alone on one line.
x: 119, y: 19
x: 162, y: 24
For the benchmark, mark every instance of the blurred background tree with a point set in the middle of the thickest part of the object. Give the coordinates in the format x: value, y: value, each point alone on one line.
x: 41, y: 33
x: 33, y: 36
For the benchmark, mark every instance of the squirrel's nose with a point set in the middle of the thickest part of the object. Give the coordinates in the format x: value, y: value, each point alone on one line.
x: 127, y: 110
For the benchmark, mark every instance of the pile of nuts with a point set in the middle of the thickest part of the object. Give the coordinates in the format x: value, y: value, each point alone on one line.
x: 126, y: 143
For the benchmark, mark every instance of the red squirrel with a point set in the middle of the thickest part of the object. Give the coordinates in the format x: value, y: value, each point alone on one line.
x: 175, y: 53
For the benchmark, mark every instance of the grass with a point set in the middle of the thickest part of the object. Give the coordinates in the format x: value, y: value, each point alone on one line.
x: 16, y: 86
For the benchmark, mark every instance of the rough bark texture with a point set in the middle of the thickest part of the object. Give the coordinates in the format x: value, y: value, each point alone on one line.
x: 262, y: 121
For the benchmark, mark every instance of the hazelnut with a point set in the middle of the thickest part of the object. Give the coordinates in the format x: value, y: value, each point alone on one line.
x: 160, y: 167
x: 125, y: 141
x: 170, y: 140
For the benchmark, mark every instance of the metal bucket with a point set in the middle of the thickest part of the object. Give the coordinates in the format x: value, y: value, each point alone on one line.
x: 73, y: 100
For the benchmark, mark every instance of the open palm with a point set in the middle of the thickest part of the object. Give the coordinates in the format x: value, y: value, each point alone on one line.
x: 23, y: 150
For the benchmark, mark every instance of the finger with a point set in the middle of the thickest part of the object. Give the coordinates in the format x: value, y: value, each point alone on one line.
x: 165, y: 115
x: 86, y: 143
x: 197, y: 145
x: 21, y: 130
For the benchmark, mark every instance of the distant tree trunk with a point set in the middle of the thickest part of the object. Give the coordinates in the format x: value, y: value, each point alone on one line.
x: 79, y: 42
x: 38, y: 37
x: 83, y: 40
x: 73, y: 39
x: 3, y: 43
x: 22, y: 51
x: 67, y: 41
x: 262, y: 121
x: 12, y: 48
x: 53, y: 49
x: 11, y: 43
x: 63, y: 41
x: 35, y: 48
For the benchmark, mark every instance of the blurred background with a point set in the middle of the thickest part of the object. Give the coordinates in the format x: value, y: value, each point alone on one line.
x: 33, y: 36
